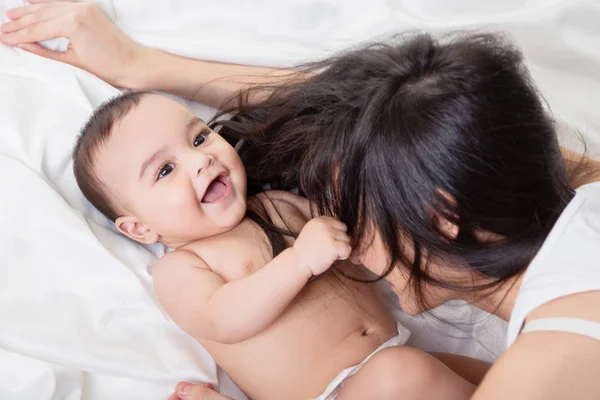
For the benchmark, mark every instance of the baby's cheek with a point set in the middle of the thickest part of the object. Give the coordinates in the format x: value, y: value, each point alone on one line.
x: 177, y: 207
x: 181, y: 199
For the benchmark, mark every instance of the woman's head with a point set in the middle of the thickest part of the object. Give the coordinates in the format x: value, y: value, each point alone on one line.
x: 441, y: 151
x: 158, y: 172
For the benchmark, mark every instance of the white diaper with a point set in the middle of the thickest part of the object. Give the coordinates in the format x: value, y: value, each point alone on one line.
x: 336, y: 384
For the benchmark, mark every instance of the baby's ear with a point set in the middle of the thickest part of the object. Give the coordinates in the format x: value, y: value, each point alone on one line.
x: 131, y: 227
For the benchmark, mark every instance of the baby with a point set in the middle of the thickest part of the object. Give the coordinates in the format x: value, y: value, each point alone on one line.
x: 238, y: 281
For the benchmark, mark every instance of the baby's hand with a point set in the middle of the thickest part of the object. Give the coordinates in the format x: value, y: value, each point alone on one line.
x: 321, y: 242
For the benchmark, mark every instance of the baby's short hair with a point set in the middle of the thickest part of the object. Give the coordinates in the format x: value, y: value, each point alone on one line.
x: 94, y: 133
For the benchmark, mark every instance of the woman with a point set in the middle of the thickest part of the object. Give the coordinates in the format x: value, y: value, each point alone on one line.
x: 504, y: 224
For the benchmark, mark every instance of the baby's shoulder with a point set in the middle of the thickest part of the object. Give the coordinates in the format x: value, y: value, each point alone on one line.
x: 285, y: 209
x: 175, y: 267
x: 182, y: 257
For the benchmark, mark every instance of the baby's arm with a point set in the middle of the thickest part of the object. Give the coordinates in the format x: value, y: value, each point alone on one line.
x: 206, y: 306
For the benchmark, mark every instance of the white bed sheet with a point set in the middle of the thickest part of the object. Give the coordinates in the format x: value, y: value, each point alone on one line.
x: 78, y: 318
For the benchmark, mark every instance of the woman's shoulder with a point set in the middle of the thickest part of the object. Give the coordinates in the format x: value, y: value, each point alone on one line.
x: 568, y: 262
x: 592, y: 186
x: 591, y: 192
x: 578, y: 227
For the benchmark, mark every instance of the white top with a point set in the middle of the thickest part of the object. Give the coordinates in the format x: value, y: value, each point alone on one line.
x: 567, y: 263
x: 579, y: 326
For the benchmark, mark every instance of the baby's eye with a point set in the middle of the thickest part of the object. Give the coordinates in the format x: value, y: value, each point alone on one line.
x: 201, y: 138
x: 164, y: 171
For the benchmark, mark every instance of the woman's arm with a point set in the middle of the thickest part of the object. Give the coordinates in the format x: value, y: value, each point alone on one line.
x: 211, y: 83
x: 545, y: 365
x: 98, y: 46
x: 548, y: 364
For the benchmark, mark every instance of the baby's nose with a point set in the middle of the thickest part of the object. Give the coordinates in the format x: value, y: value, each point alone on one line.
x: 204, y: 162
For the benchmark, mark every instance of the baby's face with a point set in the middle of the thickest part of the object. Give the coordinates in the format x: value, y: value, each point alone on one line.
x: 174, y: 179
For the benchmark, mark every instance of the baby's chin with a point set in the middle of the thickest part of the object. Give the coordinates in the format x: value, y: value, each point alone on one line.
x: 220, y: 224
x: 231, y: 218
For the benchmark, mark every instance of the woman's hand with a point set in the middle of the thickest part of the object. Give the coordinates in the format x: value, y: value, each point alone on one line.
x: 98, y: 46
x: 95, y: 43
x: 189, y: 391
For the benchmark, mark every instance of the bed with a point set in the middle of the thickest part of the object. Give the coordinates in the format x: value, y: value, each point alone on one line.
x: 78, y: 317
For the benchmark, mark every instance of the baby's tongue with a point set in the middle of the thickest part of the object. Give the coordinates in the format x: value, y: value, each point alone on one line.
x: 214, y: 191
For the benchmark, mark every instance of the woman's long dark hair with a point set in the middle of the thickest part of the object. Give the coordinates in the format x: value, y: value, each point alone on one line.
x: 394, y: 133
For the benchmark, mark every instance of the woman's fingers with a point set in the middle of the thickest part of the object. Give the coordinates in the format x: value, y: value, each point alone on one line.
x: 36, y: 33
x: 31, y: 19
x: 20, y: 12
x: 96, y: 44
x: 52, y: 1
x: 44, y: 52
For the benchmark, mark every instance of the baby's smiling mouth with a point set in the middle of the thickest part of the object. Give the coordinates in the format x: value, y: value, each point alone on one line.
x: 216, y: 189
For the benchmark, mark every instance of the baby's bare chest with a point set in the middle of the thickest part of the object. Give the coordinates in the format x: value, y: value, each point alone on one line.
x: 246, y: 248
x: 237, y: 253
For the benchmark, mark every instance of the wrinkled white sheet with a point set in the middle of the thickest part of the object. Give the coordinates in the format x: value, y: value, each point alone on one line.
x: 78, y: 318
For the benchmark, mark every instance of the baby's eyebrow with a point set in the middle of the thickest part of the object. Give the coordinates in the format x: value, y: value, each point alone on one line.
x: 150, y: 160
x: 192, y: 123
x: 188, y: 127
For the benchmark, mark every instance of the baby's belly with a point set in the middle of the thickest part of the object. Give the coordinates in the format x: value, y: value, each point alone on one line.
x: 330, y: 326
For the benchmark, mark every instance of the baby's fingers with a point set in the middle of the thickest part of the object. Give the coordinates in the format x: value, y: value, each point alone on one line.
x: 341, y: 237
x: 344, y: 250
x: 335, y: 224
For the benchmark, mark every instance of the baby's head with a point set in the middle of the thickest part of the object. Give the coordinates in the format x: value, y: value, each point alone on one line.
x: 155, y: 169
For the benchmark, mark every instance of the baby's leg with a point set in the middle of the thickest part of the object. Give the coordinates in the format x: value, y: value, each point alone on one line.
x: 405, y: 373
